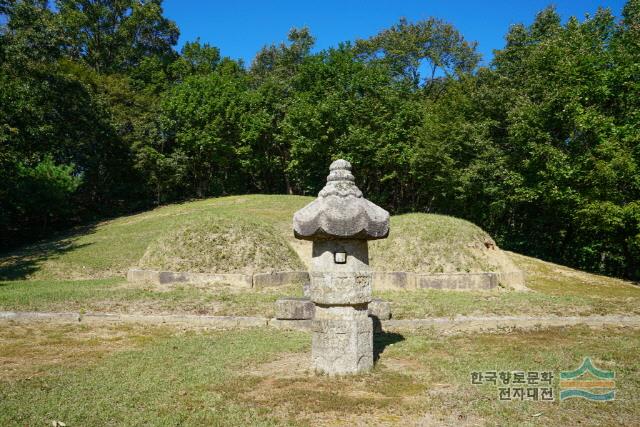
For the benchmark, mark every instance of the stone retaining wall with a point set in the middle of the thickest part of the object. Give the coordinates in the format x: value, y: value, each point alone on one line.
x: 264, y: 280
x: 388, y: 280
x: 166, y: 277
x: 394, y: 280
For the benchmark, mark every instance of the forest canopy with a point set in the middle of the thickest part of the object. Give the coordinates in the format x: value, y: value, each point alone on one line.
x: 100, y: 115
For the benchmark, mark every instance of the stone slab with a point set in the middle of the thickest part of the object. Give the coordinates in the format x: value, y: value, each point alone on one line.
x: 457, y: 281
x: 294, y: 309
x: 380, y: 309
x: 168, y: 277
x: 393, y: 280
x: 137, y: 275
x: 301, y: 308
x: 165, y: 277
x: 264, y: 280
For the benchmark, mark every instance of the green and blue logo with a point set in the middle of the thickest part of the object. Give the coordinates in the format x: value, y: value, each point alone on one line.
x: 588, y: 382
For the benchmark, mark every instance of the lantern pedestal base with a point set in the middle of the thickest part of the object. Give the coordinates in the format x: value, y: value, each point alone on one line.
x: 342, y: 342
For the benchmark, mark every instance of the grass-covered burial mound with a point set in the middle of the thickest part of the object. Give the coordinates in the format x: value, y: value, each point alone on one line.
x: 221, y: 245
x: 428, y: 243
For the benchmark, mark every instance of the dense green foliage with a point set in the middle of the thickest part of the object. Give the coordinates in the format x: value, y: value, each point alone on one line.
x: 100, y: 115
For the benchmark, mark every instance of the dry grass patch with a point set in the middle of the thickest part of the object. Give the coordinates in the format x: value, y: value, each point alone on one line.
x: 321, y: 400
x: 31, y: 349
x: 424, y: 379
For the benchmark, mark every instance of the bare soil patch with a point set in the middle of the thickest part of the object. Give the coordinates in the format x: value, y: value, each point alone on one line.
x: 389, y: 395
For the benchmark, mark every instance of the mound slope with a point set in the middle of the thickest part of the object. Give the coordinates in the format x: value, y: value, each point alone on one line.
x: 221, y: 245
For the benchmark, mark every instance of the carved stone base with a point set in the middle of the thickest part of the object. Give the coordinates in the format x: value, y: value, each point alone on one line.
x: 342, y: 340
x: 340, y: 288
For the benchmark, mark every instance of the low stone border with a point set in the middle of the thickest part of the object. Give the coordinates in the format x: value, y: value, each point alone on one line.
x: 256, y: 280
x: 222, y: 322
x: 458, y: 323
x: 382, y: 280
x: 488, y: 323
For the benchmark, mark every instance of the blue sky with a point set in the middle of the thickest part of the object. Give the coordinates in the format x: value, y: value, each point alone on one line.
x: 241, y: 27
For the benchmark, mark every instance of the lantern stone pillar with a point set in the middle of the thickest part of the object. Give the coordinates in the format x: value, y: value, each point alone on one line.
x: 339, y: 223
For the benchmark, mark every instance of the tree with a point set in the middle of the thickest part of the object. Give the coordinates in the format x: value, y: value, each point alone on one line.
x: 432, y: 44
x: 59, y: 118
x: 99, y: 115
x: 201, y: 119
x: 561, y: 112
x: 272, y: 73
x: 195, y: 58
x: 116, y: 35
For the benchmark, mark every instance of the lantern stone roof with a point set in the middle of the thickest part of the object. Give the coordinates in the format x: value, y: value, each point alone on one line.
x: 340, y: 211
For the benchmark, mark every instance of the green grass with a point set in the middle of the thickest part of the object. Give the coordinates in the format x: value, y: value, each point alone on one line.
x: 433, y: 303
x: 237, y: 234
x: 137, y: 375
x: 555, y: 290
x: 157, y: 376
x: 170, y: 381
x: 114, y: 295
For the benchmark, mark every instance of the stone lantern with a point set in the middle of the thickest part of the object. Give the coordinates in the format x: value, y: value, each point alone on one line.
x: 339, y: 223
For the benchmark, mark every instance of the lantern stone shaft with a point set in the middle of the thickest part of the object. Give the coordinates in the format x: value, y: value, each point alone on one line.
x: 339, y: 223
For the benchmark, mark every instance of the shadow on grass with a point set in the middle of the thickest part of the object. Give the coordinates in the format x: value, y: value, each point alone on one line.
x: 20, y: 263
x: 382, y: 339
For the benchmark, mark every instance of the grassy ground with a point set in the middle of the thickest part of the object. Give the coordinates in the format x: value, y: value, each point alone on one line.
x: 116, y: 375
x: 115, y: 295
x: 240, y: 233
x: 221, y: 245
